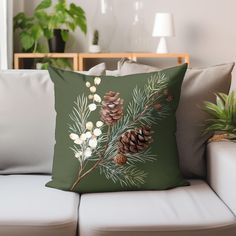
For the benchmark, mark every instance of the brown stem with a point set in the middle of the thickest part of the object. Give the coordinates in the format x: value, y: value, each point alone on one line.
x: 101, y: 157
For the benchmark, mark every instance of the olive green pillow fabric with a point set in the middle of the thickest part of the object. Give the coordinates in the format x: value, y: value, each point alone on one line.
x: 116, y: 134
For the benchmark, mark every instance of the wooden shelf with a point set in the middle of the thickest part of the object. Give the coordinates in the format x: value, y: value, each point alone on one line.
x: 181, y: 57
x: 80, y: 58
x: 19, y: 56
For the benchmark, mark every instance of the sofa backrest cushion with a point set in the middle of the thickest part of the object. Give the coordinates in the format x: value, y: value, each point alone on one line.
x: 27, y: 122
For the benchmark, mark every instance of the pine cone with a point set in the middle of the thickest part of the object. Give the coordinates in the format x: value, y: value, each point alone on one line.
x: 112, y: 108
x: 134, y: 141
x: 120, y: 159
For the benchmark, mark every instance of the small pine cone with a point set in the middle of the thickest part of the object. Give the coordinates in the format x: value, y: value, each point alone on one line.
x: 112, y: 108
x: 135, y: 141
x: 170, y: 98
x: 158, y: 107
x: 120, y: 159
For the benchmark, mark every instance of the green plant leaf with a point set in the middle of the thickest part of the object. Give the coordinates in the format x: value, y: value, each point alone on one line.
x: 48, y: 33
x: 78, y: 15
x: 27, y: 41
x: 60, y: 6
x: 71, y: 26
x: 220, y: 102
x: 44, y: 5
x: 36, y: 32
x: 64, y: 35
x: 42, y: 18
x: 223, y: 114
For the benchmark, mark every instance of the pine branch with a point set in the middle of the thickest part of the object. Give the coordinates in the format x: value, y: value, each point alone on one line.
x: 141, y: 157
x: 79, y: 115
x: 140, y: 112
x: 127, y: 175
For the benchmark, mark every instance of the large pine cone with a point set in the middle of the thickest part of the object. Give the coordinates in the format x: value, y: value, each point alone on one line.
x: 112, y: 108
x: 134, y: 141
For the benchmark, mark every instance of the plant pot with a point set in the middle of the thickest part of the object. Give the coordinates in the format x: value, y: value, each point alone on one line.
x: 56, y: 43
x: 94, y: 48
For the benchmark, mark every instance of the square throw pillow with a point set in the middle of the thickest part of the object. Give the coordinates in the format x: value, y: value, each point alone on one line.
x: 116, y: 134
x: 199, y: 85
x: 97, y: 70
x: 128, y: 67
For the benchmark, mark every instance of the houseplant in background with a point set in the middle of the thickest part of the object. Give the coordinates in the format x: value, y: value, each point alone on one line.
x: 95, y: 47
x: 223, y: 117
x: 49, y: 27
x: 60, y: 22
x: 30, y: 33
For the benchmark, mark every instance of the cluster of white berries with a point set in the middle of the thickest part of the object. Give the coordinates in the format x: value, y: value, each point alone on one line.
x: 93, y: 96
x: 89, y: 138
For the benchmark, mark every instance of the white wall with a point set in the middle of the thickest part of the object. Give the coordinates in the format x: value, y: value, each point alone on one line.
x: 204, y: 28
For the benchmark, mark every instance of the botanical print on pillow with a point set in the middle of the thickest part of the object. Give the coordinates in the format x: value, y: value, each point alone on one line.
x: 120, y: 139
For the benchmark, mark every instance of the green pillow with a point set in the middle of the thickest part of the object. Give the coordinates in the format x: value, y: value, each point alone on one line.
x: 116, y: 133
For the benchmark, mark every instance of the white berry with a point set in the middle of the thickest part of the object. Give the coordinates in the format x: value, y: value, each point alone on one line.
x: 90, y: 96
x: 88, y: 135
x: 88, y: 84
x: 97, y: 132
x: 87, y: 153
x: 93, y: 89
x: 97, y: 98
x: 97, y: 80
x: 83, y: 137
x: 92, y: 107
x: 89, y: 125
x: 74, y: 136
x: 78, y: 141
x: 78, y: 154
x: 99, y: 124
x: 93, y: 143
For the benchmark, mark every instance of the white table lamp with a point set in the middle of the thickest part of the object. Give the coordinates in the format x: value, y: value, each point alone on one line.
x: 163, y: 27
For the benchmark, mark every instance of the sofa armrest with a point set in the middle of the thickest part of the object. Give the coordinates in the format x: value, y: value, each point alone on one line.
x: 221, y: 171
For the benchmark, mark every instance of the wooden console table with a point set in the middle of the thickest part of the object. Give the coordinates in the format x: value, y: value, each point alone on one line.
x: 18, y: 57
x: 79, y: 59
x: 181, y: 57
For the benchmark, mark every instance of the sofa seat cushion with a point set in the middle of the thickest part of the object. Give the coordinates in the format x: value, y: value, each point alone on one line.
x: 28, y: 208
x: 186, y: 211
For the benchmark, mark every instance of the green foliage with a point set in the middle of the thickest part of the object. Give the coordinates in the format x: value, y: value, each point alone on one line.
x: 69, y: 17
x: 95, y: 37
x: 223, y: 115
x: 44, y: 5
x: 30, y: 32
x: 42, y: 23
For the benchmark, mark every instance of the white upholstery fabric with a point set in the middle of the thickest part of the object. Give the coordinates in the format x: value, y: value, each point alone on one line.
x: 27, y: 122
x: 185, y: 211
x: 28, y: 208
x: 221, y: 162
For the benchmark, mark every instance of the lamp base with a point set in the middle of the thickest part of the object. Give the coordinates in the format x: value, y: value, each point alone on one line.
x: 162, y: 46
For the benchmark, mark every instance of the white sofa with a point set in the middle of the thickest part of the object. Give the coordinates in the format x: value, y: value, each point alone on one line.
x: 28, y: 208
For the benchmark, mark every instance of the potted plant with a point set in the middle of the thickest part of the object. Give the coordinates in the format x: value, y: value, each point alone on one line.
x: 95, y: 48
x: 54, y: 27
x: 222, y: 122
x: 60, y: 22
x: 30, y: 33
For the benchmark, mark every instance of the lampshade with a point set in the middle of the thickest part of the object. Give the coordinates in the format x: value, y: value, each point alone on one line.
x: 163, y: 25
